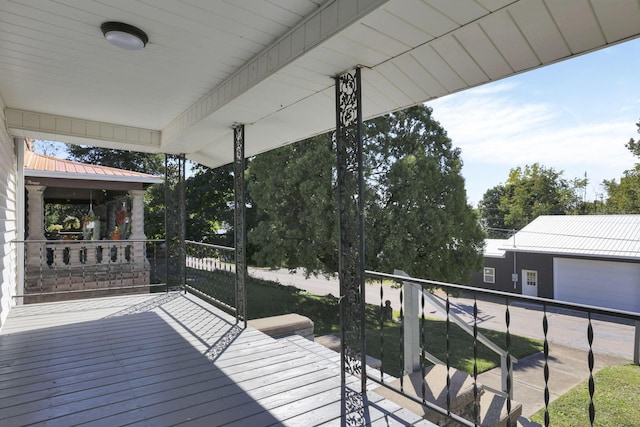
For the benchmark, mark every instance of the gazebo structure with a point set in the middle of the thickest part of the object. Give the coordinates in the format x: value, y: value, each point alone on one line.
x: 77, y: 262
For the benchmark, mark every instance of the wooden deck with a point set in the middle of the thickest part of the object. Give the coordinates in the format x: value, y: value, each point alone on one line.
x: 166, y: 359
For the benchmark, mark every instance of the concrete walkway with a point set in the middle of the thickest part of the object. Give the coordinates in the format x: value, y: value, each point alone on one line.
x: 568, y: 367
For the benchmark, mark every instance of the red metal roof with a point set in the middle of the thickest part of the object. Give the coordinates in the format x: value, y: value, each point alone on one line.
x: 42, y: 165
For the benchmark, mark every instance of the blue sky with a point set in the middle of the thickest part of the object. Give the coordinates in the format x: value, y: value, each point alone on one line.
x: 574, y: 116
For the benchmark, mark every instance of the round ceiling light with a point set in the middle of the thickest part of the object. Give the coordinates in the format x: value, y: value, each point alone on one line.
x: 124, y: 36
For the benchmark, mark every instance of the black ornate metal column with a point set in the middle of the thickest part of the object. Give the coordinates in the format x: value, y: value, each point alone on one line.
x: 239, y: 222
x: 175, y: 219
x: 351, y: 224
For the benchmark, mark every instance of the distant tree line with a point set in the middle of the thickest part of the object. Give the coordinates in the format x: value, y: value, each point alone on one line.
x: 536, y: 190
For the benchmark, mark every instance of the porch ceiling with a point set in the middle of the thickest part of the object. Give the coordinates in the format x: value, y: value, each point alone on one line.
x: 268, y: 63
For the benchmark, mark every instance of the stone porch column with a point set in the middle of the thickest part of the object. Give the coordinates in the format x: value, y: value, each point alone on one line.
x: 137, y: 227
x: 137, y: 214
x: 35, y: 224
x: 110, y: 218
x: 35, y: 206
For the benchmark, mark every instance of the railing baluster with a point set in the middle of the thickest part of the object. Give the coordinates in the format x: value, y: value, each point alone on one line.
x: 509, y: 384
x: 381, y: 320
x: 401, y: 340
x: 83, y: 262
x: 448, y: 348
x: 476, y: 403
x: 55, y: 267
x: 67, y: 261
x: 423, y: 344
x: 545, y: 330
x: 592, y: 385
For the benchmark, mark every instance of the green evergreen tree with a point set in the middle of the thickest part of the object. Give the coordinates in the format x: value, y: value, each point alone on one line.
x: 417, y: 217
x: 152, y: 164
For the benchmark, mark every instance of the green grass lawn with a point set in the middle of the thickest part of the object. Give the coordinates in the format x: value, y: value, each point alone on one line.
x: 616, y: 399
x: 460, y: 346
x: 265, y: 298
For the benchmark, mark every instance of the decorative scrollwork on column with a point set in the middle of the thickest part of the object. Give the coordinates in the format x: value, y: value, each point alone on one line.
x: 351, y: 222
x: 175, y: 219
x: 239, y: 221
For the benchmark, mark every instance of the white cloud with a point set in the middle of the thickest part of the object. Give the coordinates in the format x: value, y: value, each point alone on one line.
x: 497, y: 132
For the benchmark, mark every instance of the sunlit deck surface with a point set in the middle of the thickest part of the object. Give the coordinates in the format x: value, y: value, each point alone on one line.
x: 165, y: 359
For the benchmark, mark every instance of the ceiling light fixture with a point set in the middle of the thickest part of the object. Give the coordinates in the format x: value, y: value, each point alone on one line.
x: 124, y: 36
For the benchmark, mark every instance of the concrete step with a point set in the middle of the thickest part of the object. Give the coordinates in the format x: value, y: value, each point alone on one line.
x: 493, y: 411
x: 461, y: 394
x: 523, y: 422
x: 492, y: 407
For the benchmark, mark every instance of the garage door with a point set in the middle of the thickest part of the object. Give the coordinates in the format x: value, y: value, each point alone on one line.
x: 600, y: 283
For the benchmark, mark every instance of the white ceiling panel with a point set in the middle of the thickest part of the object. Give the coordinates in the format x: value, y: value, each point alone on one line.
x: 446, y: 76
x: 458, y: 59
x: 271, y: 63
x: 366, y: 35
x: 368, y: 54
x: 542, y: 34
x: 460, y: 11
x: 393, y: 72
x: 388, y: 88
x: 578, y: 24
x: 422, y: 16
x: 399, y: 29
x: 507, y: 37
x: 494, y: 5
x: 420, y: 76
x: 483, y: 51
x: 618, y: 18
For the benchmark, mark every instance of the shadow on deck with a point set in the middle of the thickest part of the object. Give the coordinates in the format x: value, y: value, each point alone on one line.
x: 166, y: 359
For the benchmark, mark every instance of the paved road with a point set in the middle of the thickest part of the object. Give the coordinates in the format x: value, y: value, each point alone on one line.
x: 611, y: 338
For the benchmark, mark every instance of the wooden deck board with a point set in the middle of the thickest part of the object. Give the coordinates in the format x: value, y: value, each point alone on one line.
x: 162, y: 359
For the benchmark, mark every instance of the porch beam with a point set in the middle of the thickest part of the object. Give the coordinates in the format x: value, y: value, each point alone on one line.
x: 351, y: 226
x: 72, y: 130
x: 239, y: 222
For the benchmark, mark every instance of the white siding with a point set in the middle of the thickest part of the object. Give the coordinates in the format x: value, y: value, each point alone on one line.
x: 8, y: 215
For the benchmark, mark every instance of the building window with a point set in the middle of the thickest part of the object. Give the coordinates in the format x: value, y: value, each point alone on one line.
x: 489, y: 275
x: 531, y: 278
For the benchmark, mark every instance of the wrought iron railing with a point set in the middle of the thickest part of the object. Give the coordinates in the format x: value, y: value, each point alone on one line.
x: 210, y: 274
x: 413, y: 340
x: 65, y: 269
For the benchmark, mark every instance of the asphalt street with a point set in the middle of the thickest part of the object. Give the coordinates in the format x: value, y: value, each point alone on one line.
x: 611, y: 337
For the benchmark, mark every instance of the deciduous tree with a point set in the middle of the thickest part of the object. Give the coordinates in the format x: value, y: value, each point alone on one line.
x: 529, y: 192
x: 624, y: 196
